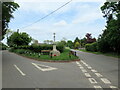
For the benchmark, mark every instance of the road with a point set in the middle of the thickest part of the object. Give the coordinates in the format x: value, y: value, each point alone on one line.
x: 0, y: 69
x: 92, y: 71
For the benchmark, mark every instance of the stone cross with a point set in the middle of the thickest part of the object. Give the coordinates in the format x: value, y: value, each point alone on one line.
x: 54, y: 37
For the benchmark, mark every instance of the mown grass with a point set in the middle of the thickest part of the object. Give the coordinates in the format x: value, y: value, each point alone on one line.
x: 112, y: 54
x: 63, y: 56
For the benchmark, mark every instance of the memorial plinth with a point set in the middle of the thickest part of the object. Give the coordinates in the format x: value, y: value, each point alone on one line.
x: 54, y: 52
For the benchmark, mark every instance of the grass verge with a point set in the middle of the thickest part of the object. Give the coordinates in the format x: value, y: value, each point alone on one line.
x: 63, y: 56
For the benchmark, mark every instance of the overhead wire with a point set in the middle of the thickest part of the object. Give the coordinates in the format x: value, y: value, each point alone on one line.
x: 46, y: 15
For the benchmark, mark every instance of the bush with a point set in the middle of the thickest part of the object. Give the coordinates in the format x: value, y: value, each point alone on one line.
x: 92, y: 47
x: 20, y: 51
x: 103, y: 45
x: 38, y: 48
x: 60, y: 48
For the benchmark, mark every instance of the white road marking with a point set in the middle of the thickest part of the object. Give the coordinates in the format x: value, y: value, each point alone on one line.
x: 19, y: 70
x: 105, y: 80
x: 113, y: 87
x: 83, y: 70
x: 81, y: 67
x: 98, y: 74
x: 92, y: 80
x: 93, y: 70
x: 86, y: 64
x: 77, y: 62
x: 47, y: 68
x: 97, y: 87
x: 82, y: 61
x: 89, y: 67
x: 87, y: 75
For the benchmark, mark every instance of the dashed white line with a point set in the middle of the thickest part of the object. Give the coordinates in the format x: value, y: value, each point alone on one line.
x: 82, y: 61
x: 92, y: 80
x: 81, y: 67
x: 86, y: 65
x: 93, y: 70
x: 105, y: 80
x: 89, y: 67
x: 97, y: 87
x: 77, y: 62
x: 113, y: 87
x: 98, y: 74
x: 19, y: 70
x: 83, y: 70
x: 87, y: 75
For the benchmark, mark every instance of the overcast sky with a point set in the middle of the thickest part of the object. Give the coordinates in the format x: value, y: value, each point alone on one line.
x: 74, y: 20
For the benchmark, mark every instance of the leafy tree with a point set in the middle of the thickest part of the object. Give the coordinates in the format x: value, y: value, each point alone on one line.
x: 19, y: 39
x: 70, y: 44
x: 8, y: 33
x: 8, y: 8
x: 89, y: 38
x: 76, y: 40
x: 64, y: 42
x: 77, y: 45
x: 109, y: 40
x: 51, y: 41
x: 83, y: 42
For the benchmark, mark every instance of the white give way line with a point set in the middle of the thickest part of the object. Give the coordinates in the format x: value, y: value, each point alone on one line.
x: 38, y: 66
x: 19, y: 70
x: 43, y: 67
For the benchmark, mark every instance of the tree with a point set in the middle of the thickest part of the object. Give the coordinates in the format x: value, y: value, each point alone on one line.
x: 8, y: 33
x: 111, y: 35
x: 83, y: 42
x: 76, y: 40
x: 70, y: 44
x: 63, y: 41
x: 89, y: 38
x: 51, y: 41
x: 45, y: 41
x: 77, y: 45
x: 8, y: 8
x: 19, y: 39
x: 35, y: 42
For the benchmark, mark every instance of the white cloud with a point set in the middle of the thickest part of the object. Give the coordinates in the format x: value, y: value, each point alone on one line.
x: 43, y: 7
x: 60, y: 23
x: 87, y: 14
x: 87, y: 18
x: 82, y: 13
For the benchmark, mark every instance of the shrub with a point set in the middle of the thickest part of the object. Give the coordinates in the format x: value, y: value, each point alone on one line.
x: 92, y: 47
x: 20, y: 51
x: 103, y: 45
x: 38, y: 48
x: 61, y: 48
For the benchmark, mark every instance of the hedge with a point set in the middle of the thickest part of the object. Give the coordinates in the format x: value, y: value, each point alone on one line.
x: 38, y: 48
x: 92, y: 47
